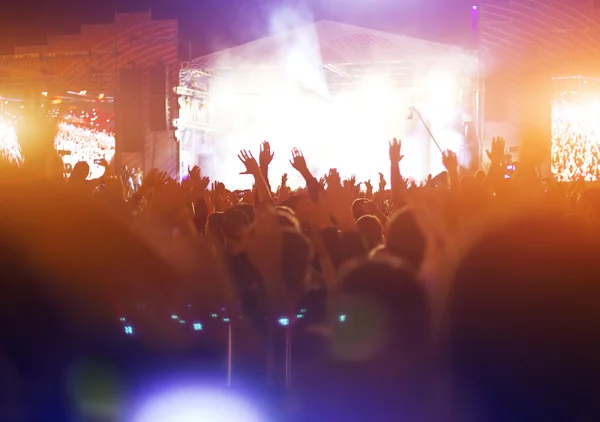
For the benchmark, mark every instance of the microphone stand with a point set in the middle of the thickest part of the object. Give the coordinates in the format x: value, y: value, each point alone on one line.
x: 414, y: 110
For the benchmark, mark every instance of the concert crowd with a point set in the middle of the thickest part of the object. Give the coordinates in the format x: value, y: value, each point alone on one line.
x: 466, y: 297
x: 575, y: 149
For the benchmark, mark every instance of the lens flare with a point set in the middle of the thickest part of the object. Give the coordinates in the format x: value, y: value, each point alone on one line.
x: 198, y: 405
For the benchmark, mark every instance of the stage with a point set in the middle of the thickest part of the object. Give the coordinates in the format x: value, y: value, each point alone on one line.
x: 337, y: 92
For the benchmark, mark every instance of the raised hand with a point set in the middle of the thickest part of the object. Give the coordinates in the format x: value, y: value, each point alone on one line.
x: 333, y: 178
x: 396, y: 151
x: 429, y: 181
x: 204, y: 182
x: 249, y: 161
x: 496, y: 155
x: 284, y: 192
x: 450, y: 161
x: 369, y: 188
x: 196, y: 181
x: 298, y: 161
x: 266, y: 156
x: 323, y: 181
x: 194, y: 173
x: 382, y: 182
x: 338, y: 201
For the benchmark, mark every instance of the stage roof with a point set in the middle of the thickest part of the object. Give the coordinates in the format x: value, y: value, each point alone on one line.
x: 337, y: 43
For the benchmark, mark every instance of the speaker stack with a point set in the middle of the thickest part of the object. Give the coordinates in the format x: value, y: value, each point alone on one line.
x: 129, y: 130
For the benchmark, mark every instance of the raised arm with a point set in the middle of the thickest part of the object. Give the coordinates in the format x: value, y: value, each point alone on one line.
x: 299, y: 163
x: 398, y: 185
x: 264, y: 159
x: 496, y: 156
x: 450, y: 162
x: 252, y: 168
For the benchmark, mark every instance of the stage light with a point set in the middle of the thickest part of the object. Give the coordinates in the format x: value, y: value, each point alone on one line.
x: 101, y: 97
x: 84, y: 92
x: 45, y: 94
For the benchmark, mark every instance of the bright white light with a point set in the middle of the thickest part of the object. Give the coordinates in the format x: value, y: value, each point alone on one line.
x: 348, y: 129
x: 198, y: 405
x: 10, y: 149
x: 576, y: 140
x: 441, y: 86
x: 377, y: 88
x: 85, y: 145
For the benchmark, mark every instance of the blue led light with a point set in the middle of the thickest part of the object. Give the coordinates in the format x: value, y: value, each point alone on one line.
x: 197, y: 326
x: 342, y: 318
x: 283, y: 322
x: 174, y: 316
x: 225, y: 319
x: 214, y: 315
x: 128, y: 329
x: 122, y: 319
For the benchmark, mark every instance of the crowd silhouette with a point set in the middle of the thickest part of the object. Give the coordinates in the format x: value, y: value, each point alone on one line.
x: 467, y: 297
